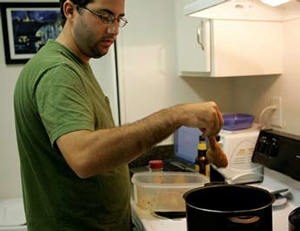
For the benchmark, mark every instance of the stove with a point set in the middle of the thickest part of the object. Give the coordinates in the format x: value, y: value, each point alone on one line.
x: 273, y: 181
x: 271, y: 149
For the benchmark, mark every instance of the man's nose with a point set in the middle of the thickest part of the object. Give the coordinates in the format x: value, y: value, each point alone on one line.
x: 113, y: 28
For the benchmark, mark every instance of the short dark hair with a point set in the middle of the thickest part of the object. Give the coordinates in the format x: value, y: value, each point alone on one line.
x: 79, y: 3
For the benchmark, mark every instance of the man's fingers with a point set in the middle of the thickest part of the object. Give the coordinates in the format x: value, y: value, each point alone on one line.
x: 219, y: 122
x: 203, y: 130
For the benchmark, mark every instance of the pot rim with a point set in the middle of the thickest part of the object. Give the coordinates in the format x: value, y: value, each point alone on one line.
x: 230, y: 211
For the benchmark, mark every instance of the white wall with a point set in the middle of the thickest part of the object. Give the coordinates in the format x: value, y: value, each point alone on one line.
x: 10, y: 182
x: 149, y: 63
x: 254, y: 94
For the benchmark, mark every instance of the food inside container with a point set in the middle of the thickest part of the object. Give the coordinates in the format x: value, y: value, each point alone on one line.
x: 234, y: 122
x: 163, y: 191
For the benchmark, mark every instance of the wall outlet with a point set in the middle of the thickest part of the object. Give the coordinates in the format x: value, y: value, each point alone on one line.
x: 276, y: 119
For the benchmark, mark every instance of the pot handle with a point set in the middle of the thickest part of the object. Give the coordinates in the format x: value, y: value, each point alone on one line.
x: 215, y: 183
x: 245, y: 223
x: 245, y: 220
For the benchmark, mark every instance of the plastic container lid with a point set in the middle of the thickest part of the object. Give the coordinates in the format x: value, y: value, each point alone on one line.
x: 156, y: 164
x: 234, y: 122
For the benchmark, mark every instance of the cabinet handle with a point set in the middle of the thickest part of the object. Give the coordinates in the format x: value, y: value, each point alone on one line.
x: 200, y: 35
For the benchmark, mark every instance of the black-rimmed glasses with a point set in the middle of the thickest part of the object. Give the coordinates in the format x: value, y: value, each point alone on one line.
x: 107, y: 18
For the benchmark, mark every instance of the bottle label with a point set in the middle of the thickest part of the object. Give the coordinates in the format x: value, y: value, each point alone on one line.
x: 197, y: 168
x: 202, y: 146
x: 207, y: 171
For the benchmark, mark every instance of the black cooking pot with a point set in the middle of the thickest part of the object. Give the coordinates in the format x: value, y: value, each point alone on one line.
x: 294, y: 220
x: 229, y: 208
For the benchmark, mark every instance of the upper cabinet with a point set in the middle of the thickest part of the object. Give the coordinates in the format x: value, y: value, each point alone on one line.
x: 226, y: 48
x: 226, y: 45
x: 254, y: 10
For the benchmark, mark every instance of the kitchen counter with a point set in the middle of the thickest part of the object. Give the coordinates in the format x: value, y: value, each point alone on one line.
x: 146, y: 221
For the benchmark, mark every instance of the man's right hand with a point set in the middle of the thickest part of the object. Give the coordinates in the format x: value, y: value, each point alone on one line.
x: 205, y: 116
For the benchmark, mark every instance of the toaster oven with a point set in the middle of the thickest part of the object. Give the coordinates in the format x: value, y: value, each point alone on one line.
x: 239, y: 147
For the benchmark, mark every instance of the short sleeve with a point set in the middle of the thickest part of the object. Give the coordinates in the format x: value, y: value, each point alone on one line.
x: 62, y: 103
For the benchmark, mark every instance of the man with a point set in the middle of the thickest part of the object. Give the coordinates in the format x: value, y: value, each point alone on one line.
x: 73, y: 159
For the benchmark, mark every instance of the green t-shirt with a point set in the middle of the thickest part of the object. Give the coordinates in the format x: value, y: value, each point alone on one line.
x: 55, y: 94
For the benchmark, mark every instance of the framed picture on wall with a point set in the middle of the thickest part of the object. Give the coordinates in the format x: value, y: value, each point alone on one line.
x: 27, y: 27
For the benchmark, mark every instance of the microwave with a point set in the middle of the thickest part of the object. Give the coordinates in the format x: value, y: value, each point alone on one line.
x: 239, y: 147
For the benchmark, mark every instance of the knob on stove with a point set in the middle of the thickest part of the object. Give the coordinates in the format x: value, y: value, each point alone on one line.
x: 294, y: 220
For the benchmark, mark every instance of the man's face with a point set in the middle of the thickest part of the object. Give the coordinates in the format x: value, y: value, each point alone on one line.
x: 92, y: 36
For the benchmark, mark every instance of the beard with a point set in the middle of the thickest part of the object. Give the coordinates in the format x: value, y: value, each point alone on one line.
x: 87, y: 42
x: 91, y: 49
x: 97, y: 51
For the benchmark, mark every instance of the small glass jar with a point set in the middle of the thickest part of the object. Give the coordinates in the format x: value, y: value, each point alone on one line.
x: 155, y: 165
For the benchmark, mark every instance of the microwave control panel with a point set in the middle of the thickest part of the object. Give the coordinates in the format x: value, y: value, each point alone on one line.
x: 279, y: 151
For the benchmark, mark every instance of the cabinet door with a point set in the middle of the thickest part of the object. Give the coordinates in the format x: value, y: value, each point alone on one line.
x: 245, y: 48
x: 193, y: 45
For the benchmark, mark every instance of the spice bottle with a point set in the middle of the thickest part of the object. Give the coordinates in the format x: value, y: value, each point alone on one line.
x: 156, y: 167
x: 201, y: 162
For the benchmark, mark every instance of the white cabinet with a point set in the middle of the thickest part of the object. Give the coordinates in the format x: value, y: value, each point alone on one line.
x: 225, y: 48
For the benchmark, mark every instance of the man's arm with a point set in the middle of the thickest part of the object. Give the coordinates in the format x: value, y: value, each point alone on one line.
x: 90, y: 153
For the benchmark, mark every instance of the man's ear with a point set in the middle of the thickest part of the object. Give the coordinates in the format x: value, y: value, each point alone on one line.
x: 69, y: 9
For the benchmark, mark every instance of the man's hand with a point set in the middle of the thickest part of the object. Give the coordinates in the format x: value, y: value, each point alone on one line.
x: 205, y: 116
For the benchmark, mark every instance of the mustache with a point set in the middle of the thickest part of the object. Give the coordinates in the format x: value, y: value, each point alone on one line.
x: 109, y: 38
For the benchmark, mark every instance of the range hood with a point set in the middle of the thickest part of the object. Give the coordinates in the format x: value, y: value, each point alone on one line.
x: 243, y: 10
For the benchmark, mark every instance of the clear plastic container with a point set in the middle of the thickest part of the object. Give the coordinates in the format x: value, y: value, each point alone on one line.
x: 165, y: 195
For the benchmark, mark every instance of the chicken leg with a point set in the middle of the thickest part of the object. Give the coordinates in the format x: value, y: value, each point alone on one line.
x: 215, y: 154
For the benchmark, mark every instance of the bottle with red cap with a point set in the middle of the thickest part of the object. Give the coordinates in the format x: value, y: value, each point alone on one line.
x: 156, y: 167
